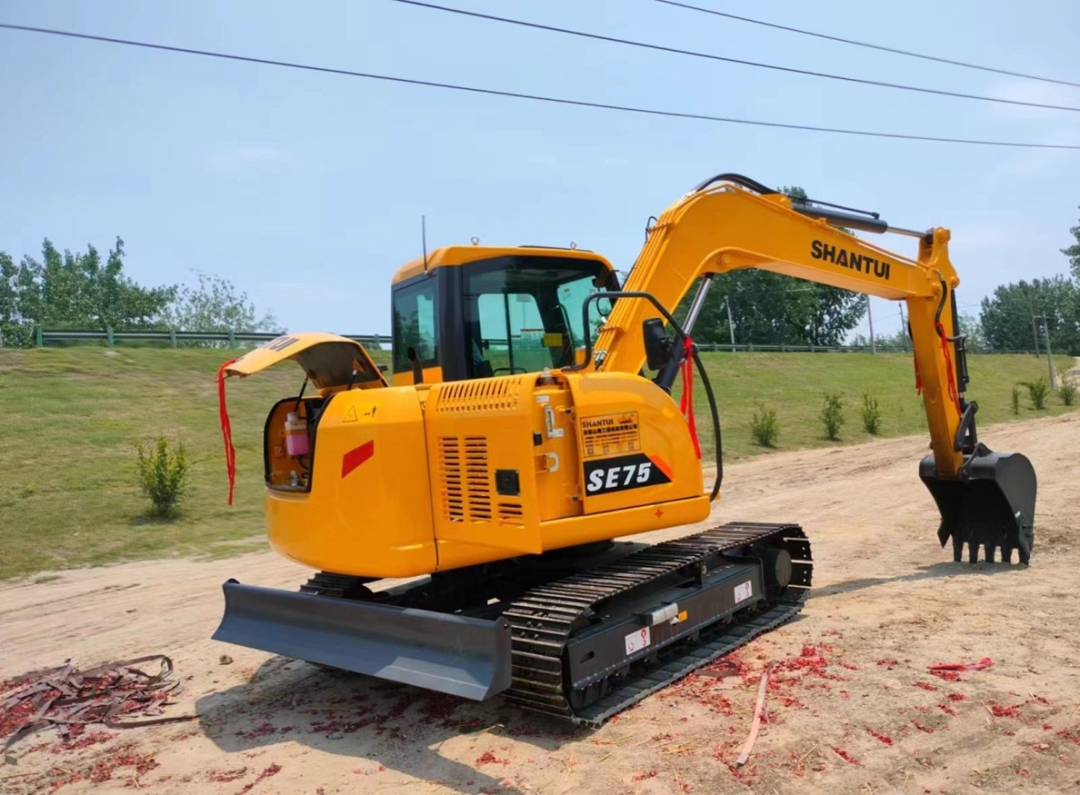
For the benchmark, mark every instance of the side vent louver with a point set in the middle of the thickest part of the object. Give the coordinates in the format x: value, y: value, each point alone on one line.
x: 482, y: 394
x: 466, y: 478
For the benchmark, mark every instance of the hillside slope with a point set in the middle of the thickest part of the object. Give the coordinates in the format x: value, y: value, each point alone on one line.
x: 69, y: 496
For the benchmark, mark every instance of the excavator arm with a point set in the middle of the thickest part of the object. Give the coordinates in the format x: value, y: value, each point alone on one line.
x: 732, y: 223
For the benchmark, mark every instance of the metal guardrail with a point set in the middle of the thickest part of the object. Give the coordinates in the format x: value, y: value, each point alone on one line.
x: 42, y: 337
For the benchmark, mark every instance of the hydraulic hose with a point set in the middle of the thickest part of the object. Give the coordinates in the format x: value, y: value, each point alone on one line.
x: 716, y: 424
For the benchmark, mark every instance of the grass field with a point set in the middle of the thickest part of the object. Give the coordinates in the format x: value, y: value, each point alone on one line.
x: 72, y: 416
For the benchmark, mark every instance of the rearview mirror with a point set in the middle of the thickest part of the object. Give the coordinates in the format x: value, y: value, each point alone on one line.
x: 658, y: 345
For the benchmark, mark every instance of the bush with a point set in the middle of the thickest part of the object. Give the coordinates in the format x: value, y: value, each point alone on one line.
x: 764, y: 427
x: 871, y: 414
x: 162, y: 475
x: 832, y: 414
x: 1015, y: 401
x: 1067, y: 392
x: 1038, y: 391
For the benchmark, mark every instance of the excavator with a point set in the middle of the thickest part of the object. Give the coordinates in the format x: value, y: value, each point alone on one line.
x: 467, y: 514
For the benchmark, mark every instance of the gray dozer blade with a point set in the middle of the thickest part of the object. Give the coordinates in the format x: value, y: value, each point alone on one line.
x: 465, y: 657
x: 991, y: 504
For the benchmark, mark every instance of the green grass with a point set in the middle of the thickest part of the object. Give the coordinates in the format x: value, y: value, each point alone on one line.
x: 794, y: 384
x: 69, y: 494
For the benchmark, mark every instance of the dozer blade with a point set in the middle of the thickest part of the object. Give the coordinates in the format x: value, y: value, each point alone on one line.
x: 991, y: 504
x: 465, y: 657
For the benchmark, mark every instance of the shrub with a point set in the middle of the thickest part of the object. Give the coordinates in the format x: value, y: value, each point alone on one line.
x: 1067, y: 392
x: 162, y: 475
x: 832, y: 414
x: 1038, y: 391
x: 871, y: 414
x: 764, y: 427
x: 1015, y: 401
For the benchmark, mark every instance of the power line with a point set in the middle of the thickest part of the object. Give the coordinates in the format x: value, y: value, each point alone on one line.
x: 535, y: 97
x: 739, y: 61
x: 881, y: 47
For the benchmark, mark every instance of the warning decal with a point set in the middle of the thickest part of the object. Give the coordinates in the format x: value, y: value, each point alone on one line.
x: 638, y: 640
x: 608, y: 434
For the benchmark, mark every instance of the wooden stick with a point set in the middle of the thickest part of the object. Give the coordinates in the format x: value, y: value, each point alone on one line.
x: 744, y: 757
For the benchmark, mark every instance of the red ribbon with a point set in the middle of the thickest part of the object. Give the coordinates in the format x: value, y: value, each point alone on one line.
x: 226, y: 429
x: 950, y: 373
x: 687, y: 404
x: 953, y: 396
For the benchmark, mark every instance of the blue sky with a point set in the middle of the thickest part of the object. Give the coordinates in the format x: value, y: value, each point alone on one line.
x: 306, y: 190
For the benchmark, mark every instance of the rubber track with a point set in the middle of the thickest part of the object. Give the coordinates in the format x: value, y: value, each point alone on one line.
x: 541, y: 620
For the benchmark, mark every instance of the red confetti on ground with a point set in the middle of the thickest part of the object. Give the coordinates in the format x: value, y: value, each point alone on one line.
x: 926, y: 686
x: 103, y: 770
x: 999, y: 711
x: 944, y: 707
x: 878, y: 735
x: 956, y: 696
x: 981, y: 665
x: 920, y: 727
x: 488, y: 758
x: 262, y: 730
x: 643, y: 776
x: 273, y: 770
x: 888, y: 663
x: 840, y: 752
x: 948, y: 676
x: 1072, y: 735
x: 225, y: 776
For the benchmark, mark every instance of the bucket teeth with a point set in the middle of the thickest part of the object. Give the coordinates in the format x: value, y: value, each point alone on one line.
x: 990, y: 505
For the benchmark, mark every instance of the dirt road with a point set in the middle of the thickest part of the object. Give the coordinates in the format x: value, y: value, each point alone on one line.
x: 852, y: 708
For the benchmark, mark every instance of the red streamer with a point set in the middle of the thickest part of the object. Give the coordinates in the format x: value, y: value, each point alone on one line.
x: 226, y: 429
x: 687, y: 404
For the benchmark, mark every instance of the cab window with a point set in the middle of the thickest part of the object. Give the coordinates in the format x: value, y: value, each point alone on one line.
x: 523, y: 314
x: 415, y: 321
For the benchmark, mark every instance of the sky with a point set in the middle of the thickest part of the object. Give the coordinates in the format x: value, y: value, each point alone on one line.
x: 306, y: 190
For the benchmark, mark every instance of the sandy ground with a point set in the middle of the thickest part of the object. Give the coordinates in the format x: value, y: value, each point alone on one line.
x: 852, y: 708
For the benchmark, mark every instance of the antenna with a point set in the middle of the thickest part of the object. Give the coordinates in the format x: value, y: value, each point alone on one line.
x: 423, y: 238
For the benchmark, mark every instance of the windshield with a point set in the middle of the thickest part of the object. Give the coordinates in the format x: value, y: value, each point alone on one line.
x: 523, y: 314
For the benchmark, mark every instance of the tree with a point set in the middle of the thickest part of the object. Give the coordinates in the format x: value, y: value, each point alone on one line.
x: 216, y: 306
x: 74, y: 290
x: 772, y: 309
x: 971, y: 327
x: 1006, y: 316
x: 1073, y: 252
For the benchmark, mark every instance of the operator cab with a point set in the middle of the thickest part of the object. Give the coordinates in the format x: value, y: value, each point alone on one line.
x: 478, y: 311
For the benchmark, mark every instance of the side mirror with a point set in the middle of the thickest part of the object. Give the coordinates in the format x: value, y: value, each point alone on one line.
x: 417, y: 367
x: 658, y: 346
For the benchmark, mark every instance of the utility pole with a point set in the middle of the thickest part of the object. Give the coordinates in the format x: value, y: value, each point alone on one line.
x: 730, y: 325
x: 1049, y: 356
x: 903, y: 327
x: 869, y: 314
x: 1034, y: 331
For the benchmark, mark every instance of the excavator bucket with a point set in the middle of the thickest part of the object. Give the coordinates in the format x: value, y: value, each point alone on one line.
x: 465, y: 657
x: 991, y: 504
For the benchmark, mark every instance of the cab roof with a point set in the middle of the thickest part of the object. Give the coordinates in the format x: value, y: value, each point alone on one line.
x: 450, y: 256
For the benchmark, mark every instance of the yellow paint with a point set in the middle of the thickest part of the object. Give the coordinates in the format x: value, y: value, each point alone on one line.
x: 429, y: 496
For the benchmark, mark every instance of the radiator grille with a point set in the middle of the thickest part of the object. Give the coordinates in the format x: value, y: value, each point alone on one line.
x: 482, y: 394
x: 511, y: 512
x: 466, y: 478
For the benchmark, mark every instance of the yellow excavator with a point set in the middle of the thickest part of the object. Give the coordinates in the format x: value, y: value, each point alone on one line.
x: 529, y: 422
